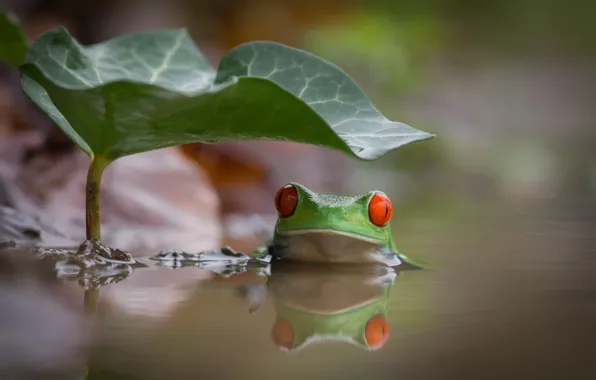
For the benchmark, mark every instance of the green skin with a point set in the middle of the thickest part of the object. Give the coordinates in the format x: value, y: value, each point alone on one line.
x: 332, y: 228
x: 347, y: 325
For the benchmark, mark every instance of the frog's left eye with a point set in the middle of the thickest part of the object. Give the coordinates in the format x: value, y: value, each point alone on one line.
x: 380, y: 209
x: 377, y: 331
x: 286, y: 200
x: 282, y: 334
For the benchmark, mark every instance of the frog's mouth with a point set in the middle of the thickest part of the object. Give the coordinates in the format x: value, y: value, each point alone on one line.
x: 327, y: 245
x: 329, y: 232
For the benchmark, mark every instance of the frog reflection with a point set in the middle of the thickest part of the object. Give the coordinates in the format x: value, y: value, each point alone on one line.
x: 336, y: 304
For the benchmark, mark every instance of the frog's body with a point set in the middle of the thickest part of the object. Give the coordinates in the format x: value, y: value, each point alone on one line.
x: 313, y: 227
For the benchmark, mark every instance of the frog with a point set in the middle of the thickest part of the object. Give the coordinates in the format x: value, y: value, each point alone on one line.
x: 315, y: 227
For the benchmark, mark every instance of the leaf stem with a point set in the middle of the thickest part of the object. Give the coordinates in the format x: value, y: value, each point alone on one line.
x: 91, y: 301
x: 94, y: 174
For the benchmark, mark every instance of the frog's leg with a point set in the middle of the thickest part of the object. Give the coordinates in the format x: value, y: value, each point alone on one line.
x: 261, y: 254
x: 410, y: 264
x: 268, y: 253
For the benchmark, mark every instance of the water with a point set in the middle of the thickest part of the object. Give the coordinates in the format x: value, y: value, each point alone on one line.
x: 513, y: 296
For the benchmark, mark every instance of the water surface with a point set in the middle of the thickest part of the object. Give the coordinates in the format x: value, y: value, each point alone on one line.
x: 513, y: 296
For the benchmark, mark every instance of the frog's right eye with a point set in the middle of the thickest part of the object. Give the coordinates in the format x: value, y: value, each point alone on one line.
x: 282, y: 334
x: 380, y: 209
x: 377, y: 331
x: 286, y: 200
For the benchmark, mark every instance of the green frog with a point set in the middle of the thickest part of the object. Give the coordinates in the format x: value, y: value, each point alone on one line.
x: 316, y: 228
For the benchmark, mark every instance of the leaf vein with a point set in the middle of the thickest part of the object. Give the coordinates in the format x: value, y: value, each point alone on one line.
x: 168, y: 57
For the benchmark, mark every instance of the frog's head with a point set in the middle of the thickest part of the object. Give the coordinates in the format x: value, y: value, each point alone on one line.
x: 364, y: 218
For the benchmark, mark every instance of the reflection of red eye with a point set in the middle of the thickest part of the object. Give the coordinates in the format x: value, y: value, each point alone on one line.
x: 282, y: 334
x: 286, y: 200
x: 377, y: 331
x: 380, y: 209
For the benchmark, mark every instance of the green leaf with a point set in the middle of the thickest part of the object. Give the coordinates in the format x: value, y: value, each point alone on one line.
x: 13, y: 45
x: 155, y: 89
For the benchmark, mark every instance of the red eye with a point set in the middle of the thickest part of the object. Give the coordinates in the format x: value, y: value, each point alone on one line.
x: 380, y: 209
x: 377, y: 331
x: 286, y: 200
x: 282, y: 334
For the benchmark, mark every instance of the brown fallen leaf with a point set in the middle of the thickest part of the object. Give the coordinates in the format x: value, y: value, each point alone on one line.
x: 151, y: 201
x: 225, y: 166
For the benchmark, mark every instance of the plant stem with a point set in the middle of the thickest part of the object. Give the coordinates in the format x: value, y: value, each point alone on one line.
x: 93, y: 222
x: 91, y: 301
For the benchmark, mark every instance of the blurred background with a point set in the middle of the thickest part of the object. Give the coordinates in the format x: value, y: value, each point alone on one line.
x: 506, y: 86
x: 505, y: 193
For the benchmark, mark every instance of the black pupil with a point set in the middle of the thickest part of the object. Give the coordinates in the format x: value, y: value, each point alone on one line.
x: 278, y: 201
